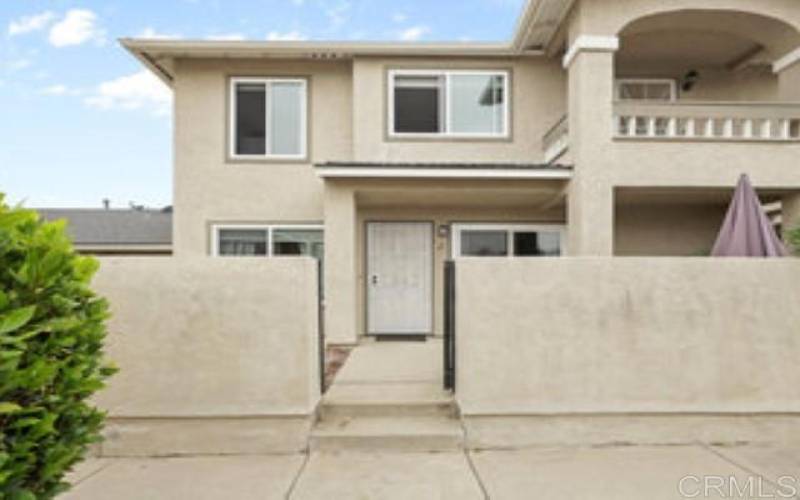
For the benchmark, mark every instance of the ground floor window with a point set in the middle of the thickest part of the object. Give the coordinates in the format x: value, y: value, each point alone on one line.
x: 267, y: 240
x: 507, y: 240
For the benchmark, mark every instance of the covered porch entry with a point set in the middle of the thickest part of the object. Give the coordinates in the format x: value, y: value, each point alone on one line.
x: 389, y: 229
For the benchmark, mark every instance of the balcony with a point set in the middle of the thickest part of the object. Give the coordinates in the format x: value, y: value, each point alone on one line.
x: 707, y: 121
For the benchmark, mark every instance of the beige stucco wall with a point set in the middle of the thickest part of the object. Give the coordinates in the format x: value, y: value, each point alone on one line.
x: 666, y: 229
x: 208, y: 187
x: 227, y: 347
x: 637, y: 335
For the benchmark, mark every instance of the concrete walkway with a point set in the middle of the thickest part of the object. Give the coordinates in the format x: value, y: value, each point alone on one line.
x: 402, y: 381
x: 624, y: 473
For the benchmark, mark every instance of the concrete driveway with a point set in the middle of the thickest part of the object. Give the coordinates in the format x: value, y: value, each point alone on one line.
x: 618, y: 473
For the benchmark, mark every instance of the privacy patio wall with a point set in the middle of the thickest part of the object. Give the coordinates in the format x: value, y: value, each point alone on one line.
x: 602, y: 349
x: 215, y: 355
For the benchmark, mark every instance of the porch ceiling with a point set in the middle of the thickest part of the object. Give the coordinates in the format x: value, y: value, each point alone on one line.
x: 534, y: 194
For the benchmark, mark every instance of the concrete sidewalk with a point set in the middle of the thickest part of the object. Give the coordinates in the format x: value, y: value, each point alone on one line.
x: 613, y: 473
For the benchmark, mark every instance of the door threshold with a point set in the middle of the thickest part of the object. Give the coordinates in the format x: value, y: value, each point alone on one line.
x: 410, y: 337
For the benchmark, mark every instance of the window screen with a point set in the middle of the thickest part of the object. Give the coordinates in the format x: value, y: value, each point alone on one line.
x: 243, y: 242
x: 643, y: 90
x: 484, y: 243
x: 476, y: 104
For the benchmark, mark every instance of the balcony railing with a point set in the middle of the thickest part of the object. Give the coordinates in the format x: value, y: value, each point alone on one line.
x: 684, y: 121
x: 556, y: 140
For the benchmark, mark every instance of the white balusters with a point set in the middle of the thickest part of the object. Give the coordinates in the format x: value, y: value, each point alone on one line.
x: 661, y: 122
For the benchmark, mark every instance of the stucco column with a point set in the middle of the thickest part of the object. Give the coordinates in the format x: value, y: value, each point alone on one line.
x: 790, y: 214
x: 789, y: 78
x: 340, y: 264
x: 590, y: 206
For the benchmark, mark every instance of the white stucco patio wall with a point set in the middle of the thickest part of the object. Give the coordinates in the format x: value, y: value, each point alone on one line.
x: 215, y: 355
x: 601, y: 349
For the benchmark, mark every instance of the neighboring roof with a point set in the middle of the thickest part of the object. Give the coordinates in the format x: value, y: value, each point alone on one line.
x: 538, y: 25
x: 90, y: 226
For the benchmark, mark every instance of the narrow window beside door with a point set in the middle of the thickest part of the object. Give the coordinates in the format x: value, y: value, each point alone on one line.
x: 500, y: 240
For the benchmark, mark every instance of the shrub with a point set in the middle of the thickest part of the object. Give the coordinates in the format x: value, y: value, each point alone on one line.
x: 793, y: 240
x: 51, y: 355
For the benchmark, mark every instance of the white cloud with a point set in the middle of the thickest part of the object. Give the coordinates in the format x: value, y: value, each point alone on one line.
x: 287, y: 36
x: 337, y: 14
x: 17, y: 64
x: 152, y: 34
x: 139, y: 91
x: 413, y: 33
x: 226, y: 37
x: 27, y: 24
x: 57, y: 89
x: 78, y: 26
x: 399, y: 17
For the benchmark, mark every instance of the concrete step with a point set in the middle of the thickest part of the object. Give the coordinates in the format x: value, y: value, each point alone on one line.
x: 387, y: 400
x: 388, y: 434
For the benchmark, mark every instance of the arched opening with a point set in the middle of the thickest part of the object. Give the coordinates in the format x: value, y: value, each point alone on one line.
x: 702, y: 55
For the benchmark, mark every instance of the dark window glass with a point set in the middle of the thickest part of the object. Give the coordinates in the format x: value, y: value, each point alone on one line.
x: 298, y: 242
x: 484, y: 243
x: 251, y: 129
x: 529, y: 244
x: 417, y: 105
x: 243, y: 242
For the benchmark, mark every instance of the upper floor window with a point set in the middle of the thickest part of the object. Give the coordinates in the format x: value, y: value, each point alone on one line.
x: 645, y: 89
x: 448, y: 103
x: 268, y: 118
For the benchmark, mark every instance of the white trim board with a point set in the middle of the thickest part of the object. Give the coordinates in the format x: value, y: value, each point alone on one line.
x: 590, y: 43
x: 442, y: 173
x: 788, y: 60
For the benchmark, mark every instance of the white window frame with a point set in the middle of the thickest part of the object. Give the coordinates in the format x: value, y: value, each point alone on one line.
x: 457, y: 229
x: 267, y: 81
x: 619, y: 82
x: 447, y: 74
x: 269, y: 228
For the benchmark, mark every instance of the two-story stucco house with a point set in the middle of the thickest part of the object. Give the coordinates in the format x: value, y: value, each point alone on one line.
x: 602, y: 128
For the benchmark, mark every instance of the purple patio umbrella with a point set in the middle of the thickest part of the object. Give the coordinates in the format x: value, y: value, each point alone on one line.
x: 747, y: 232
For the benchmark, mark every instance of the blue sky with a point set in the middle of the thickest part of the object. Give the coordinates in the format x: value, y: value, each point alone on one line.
x: 81, y: 120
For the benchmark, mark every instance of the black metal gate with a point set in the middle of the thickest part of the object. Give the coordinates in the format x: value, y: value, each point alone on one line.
x: 321, y: 325
x: 450, y: 325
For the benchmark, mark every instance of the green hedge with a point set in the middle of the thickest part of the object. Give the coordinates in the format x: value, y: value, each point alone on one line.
x: 52, y: 328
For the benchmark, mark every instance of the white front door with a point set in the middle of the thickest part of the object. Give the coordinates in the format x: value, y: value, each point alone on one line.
x: 399, y: 278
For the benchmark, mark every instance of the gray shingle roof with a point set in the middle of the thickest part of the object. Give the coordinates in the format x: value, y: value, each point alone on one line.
x: 90, y: 226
